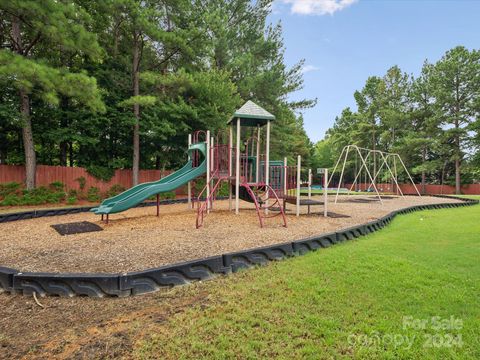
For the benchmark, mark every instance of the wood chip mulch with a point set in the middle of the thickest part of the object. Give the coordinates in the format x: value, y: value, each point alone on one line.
x: 137, y: 239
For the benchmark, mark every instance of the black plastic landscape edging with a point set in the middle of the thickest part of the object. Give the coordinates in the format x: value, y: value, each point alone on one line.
x: 25, y: 215
x: 145, y: 281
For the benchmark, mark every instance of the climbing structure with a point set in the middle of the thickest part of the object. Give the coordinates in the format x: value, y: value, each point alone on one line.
x: 226, y: 159
x: 242, y: 165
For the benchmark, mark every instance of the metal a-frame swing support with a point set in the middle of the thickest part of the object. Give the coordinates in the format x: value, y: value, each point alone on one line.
x: 384, y: 157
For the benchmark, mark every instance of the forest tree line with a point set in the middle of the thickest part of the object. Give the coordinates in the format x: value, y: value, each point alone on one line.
x: 120, y: 83
x: 431, y: 120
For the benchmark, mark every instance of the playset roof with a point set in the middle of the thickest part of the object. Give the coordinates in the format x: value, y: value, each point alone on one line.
x: 250, y: 114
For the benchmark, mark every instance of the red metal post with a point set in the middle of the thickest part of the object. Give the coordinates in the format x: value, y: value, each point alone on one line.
x: 158, y: 204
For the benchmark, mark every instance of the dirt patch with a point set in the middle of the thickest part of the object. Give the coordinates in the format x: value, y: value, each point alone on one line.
x: 137, y: 239
x: 85, y: 328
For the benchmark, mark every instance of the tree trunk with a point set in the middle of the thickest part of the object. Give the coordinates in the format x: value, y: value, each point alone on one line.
x: 70, y: 148
x: 30, y: 158
x: 424, y: 157
x: 457, y: 176
x: 27, y: 135
x: 63, y: 153
x: 457, y: 161
x: 64, y: 125
x: 457, y: 137
x: 136, y: 109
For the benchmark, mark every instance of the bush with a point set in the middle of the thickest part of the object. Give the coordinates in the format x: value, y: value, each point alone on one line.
x: 71, y: 200
x: 223, y: 190
x: 15, y: 196
x: 57, y: 186
x: 9, y: 188
x: 115, y: 190
x: 81, y: 182
x: 167, y: 195
x: 93, y: 194
x: 72, y: 193
x: 42, y: 195
x: 11, y: 200
x: 101, y: 172
x: 198, y: 185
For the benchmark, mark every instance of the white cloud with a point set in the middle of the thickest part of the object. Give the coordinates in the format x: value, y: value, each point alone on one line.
x: 309, y: 68
x: 318, y: 7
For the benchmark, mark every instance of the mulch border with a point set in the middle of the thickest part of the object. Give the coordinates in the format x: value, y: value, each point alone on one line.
x: 140, y: 282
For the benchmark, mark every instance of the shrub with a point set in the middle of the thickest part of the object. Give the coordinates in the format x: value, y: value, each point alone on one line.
x: 93, y: 194
x: 56, y: 186
x: 198, y: 185
x: 167, y: 195
x: 42, y: 195
x: 223, y: 190
x: 164, y: 196
x: 72, y: 193
x: 81, y: 182
x: 11, y: 200
x: 54, y: 193
x: 9, y: 188
x: 39, y: 191
x: 115, y: 190
x: 71, y: 200
x: 55, y: 197
x: 101, y: 172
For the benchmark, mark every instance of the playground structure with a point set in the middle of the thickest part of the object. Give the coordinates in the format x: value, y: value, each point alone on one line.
x: 387, y: 170
x: 223, y: 159
x: 250, y: 174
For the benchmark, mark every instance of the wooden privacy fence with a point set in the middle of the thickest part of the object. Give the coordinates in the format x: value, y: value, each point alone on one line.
x: 47, y: 174
x: 68, y: 175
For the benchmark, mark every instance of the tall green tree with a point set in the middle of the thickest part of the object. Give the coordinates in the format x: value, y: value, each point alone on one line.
x: 456, y: 84
x: 155, y: 33
x: 251, y: 50
x: 393, y: 110
x: 422, y: 136
x: 35, y: 27
x: 207, y: 57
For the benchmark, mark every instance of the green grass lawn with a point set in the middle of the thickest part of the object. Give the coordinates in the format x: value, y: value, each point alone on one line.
x: 374, y: 297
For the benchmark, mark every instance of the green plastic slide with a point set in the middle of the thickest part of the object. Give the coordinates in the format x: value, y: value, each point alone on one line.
x: 142, y: 192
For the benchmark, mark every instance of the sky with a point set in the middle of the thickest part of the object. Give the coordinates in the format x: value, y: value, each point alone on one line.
x: 344, y: 42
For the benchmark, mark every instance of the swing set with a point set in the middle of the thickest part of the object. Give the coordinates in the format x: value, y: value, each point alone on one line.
x: 387, y: 170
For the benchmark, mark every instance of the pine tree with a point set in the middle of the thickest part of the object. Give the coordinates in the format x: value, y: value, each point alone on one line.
x: 36, y: 27
x: 456, y: 84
